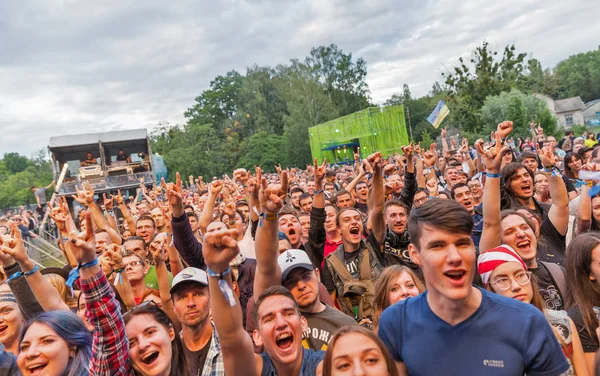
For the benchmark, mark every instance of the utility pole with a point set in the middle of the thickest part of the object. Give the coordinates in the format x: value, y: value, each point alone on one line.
x: 409, y: 124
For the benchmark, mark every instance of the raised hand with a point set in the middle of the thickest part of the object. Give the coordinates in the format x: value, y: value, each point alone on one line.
x: 219, y: 248
x: 174, y: 192
x: 547, y: 158
x: 375, y: 159
x: 429, y: 158
x: 85, y: 196
x: 83, y: 244
x: 278, y: 168
x: 464, y: 146
x: 443, y: 134
x: 108, y: 202
x: 158, y: 252
x: 319, y: 172
x: 504, y: 129
x: 118, y: 198
x: 216, y: 187
x: 492, y: 156
x: 113, y: 253
x: 270, y: 201
x: 12, y: 245
x: 408, y: 150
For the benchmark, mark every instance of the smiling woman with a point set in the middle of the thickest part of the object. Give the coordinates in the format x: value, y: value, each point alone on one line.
x: 55, y: 343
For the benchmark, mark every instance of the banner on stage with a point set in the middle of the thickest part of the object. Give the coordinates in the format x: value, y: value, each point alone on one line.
x: 439, y: 114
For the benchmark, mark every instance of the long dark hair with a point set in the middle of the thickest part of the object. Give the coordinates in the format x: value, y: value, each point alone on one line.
x: 582, y: 291
x: 179, y: 364
x: 73, y: 331
x: 349, y: 329
x: 508, y: 199
x: 568, y: 158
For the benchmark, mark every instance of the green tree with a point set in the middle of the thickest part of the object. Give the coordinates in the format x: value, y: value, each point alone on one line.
x: 470, y: 83
x: 15, y: 163
x: 344, y: 80
x: 579, y: 75
x: 308, y: 105
x: 540, y: 81
x: 263, y: 150
x: 521, y: 109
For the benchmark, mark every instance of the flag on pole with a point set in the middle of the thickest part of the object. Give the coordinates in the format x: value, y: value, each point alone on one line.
x: 439, y: 114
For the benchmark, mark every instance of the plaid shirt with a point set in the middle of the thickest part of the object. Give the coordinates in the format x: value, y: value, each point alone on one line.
x: 110, y: 351
x: 213, y: 365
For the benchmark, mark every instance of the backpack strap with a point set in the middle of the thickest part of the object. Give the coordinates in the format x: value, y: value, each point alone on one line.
x: 339, y: 267
x: 365, y: 265
x: 559, y: 277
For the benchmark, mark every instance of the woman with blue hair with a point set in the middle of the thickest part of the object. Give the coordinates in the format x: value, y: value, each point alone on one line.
x: 55, y: 343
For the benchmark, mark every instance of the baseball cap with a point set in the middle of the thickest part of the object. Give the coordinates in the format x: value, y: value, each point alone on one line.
x: 292, y: 259
x: 190, y: 275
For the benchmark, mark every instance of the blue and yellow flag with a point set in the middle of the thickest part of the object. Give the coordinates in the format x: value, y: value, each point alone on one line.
x: 439, y: 114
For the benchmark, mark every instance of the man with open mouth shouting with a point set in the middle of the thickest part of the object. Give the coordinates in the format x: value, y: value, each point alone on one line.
x: 279, y: 325
x: 451, y: 321
x: 352, y: 269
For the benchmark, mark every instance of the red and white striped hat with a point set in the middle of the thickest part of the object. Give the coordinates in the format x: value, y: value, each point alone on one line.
x: 490, y: 260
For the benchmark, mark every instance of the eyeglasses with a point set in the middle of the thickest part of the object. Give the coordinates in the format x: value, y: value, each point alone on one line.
x: 147, y: 303
x: 132, y: 264
x: 504, y: 283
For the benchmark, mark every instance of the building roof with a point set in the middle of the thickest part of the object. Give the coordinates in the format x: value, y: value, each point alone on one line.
x: 94, y: 138
x: 591, y: 103
x: 569, y: 104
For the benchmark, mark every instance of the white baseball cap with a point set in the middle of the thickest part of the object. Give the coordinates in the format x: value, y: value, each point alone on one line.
x: 292, y: 259
x: 190, y: 275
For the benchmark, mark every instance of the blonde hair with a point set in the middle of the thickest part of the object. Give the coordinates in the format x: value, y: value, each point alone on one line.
x: 60, y: 285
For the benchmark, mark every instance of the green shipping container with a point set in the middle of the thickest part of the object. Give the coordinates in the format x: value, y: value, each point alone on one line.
x: 373, y: 129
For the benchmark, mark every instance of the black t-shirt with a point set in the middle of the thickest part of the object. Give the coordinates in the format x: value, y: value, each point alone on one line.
x: 552, y: 245
x: 364, y: 208
x: 589, y: 342
x: 568, y: 184
x: 196, y: 359
x: 548, y: 288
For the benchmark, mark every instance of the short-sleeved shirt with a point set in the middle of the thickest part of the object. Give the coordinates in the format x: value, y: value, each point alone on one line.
x: 151, y: 280
x: 40, y: 193
x: 322, y: 326
x: 548, y: 288
x: 502, y: 337
x: 310, y: 362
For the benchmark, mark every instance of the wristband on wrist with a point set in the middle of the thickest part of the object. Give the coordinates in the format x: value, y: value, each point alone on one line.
x: 74, y: 273
x: 121, y: 270
x: 319, y: 191
x: 267, y: 216
x: 490, y: 175
x: 223, y: 285
x: 19, y: 274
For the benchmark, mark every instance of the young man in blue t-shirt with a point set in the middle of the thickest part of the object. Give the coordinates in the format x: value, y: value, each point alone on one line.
x: 455, y: 328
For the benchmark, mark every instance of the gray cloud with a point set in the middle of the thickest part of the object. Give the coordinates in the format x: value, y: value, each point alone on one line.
x: 69, y: 66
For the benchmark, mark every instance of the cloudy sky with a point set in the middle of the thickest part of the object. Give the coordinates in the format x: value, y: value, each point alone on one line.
x: 75, y: 66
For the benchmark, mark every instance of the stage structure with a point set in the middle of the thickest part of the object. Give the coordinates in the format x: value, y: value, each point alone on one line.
x: 372, y: 129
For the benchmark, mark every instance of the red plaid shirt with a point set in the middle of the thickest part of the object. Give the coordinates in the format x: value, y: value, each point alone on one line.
x: 110, y: 351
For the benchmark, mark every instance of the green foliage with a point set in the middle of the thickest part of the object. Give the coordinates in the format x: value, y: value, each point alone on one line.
x: 17, y: 175
x: 470, y: 83
x: 262, y: 150
x: 579, y: 75
x: 521, y: 109
x: 426, y: 140
x: 263, y: 117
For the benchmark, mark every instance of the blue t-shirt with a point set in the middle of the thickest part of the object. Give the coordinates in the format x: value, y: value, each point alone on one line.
x: 502, y: 337
x: 310, y: 362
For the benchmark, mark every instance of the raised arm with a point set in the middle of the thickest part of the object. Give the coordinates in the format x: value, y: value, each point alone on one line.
x: 45, y: 293
x: 360, y: 174
x: 125, y: 212
x: 207, y: 214
x: 584, y: 211
x: 559, y: 211
x: 159, y: 255
x: 492, y: 158
x: 377, y: 201
x: 110, y: 349
x: 268, y: 272
x: 220, y: 247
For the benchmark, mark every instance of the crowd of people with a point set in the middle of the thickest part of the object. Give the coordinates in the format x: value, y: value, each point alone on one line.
x: 476, y: 259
